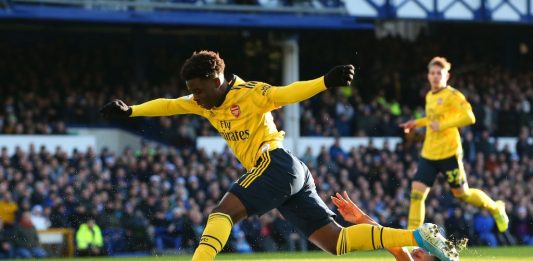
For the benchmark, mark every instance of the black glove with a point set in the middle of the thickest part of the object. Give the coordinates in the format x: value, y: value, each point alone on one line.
x: 116, y: 109
x: 341, y: 75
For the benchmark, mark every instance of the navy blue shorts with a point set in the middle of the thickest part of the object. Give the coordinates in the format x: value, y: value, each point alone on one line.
x: 452, y: 167
x: 280, y: 180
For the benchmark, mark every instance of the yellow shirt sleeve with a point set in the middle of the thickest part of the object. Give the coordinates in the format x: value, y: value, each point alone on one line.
x: 294, y: 92
x: 422, y: 122
x: 166, y: 107
x: 463, y: 115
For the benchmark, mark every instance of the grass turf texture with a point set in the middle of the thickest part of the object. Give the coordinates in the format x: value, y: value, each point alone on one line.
x: 470, y: 254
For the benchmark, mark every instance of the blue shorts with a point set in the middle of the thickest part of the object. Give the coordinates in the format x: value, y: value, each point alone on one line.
x: 280, y: 180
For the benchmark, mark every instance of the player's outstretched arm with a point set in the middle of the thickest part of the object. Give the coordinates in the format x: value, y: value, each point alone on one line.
x: 353, y: 214
x: 338, y: 76
x: 158, y: 107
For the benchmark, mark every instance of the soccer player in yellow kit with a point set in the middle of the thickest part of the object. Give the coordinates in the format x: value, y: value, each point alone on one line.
x: 241, y: 113
x: 447, y: 110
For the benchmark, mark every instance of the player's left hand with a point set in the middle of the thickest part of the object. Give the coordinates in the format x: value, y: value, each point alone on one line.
x: 348, y: 210
x: 339, y: 76
x: 435, y: 126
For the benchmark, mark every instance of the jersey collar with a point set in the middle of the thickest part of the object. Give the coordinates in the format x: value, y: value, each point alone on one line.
x: 440, y: 90
x: 235, y: 81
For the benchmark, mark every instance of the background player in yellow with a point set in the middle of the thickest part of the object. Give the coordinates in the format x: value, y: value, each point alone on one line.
x: 447, y: 110
x: 241, y: 112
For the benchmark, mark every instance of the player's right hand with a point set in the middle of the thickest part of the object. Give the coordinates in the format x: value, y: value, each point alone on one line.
x: 116, y: 109
x: 408, y: 125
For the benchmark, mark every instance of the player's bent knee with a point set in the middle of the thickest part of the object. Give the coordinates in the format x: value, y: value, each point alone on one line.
x: 231, y: 206
x: 326, y: 238
x: 419, y: 187
x: 460, y: 194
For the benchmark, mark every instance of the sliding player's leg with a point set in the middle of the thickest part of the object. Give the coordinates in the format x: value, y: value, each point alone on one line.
x: 309, y: 213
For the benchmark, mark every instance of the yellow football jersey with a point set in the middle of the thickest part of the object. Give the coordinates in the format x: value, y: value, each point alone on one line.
x: 451, y: 110
x: 244, y: 119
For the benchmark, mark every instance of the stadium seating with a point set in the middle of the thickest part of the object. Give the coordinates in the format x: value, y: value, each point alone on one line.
x: 154, y: 189
x: 89, y: 77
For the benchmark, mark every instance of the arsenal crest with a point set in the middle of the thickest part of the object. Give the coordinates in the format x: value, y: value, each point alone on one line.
x: 235, y: 110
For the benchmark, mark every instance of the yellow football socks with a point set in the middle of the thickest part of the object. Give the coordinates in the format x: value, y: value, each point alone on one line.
x: 417, y: 209
x: 370, y: 237
x: 214, y: 238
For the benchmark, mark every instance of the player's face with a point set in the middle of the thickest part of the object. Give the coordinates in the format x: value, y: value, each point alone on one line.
x: 437, y: 76
x: 204, y: 91
x: 419, y: 254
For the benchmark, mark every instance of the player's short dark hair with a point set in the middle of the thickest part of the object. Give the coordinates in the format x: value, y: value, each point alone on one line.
x: 202, y: 64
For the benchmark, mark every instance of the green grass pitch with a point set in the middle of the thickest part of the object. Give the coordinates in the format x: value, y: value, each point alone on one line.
x: 470, y: 254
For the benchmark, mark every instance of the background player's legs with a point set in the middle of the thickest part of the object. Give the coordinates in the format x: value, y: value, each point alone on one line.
x: 475, y: 197
x: 480, y: 199
x: 426, y: 174
x: 453, y: 167
x: 417, y: 208
x: 230, y: 210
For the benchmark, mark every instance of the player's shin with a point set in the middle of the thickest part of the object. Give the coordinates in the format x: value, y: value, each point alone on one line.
x: 214, y: 238
x: 417, y: 209
x: 369, y: 237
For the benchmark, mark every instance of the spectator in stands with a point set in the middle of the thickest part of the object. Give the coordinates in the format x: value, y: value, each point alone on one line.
x: 241, y: 245
x: 59, y: 217
x: 26, y: 239
x: 522, y: 226
x: 197, y: 226
x: 136, y: 225
x: 38, y: 219
x: 344, y: 115
x: 483, y: 226
x: 523, y: 148
x: 8, y: 208
x: 6, y: 247
x: 336, y: 151
x: 484, y: 145
x: 456, y: 224
x: 89, y: 239
x: 109, y: 220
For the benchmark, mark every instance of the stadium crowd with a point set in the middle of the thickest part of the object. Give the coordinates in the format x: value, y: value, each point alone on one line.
x: 43, y: 97
x: 158, y: 199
